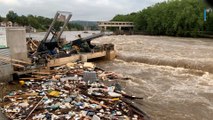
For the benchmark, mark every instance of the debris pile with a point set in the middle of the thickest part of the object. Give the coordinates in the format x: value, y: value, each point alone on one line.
x: 32, y: 45
x: 71, y: 92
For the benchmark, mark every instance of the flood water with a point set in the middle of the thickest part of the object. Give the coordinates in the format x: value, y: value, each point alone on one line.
x: 174, y: 75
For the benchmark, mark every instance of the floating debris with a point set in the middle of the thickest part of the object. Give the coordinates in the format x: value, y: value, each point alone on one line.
x: 70, y: 92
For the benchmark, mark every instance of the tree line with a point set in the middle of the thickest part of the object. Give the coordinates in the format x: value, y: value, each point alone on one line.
x: 172, y: 17
x: 38, y: 22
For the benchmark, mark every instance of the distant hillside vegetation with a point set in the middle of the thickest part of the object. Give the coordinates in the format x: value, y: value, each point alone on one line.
x: 174, y: 17
x: 38, y: 22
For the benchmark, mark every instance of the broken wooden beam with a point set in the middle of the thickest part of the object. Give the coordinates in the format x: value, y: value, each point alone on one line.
x: 41, y: 73
x: 14, y: 60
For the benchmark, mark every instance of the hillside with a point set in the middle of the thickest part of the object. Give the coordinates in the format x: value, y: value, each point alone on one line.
x: 173, y: 18
x: 91, y: 25
x: 38, y: 22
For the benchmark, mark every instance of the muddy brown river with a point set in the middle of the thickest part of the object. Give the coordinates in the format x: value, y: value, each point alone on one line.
x: 174, y: 75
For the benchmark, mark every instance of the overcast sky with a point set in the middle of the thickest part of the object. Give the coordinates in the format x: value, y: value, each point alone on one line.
x: 82, y: 9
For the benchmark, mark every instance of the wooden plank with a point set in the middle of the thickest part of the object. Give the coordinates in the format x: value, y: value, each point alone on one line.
x: 96, y: 102
x: 34, y: 44
x: 74, y: 58
x: 39, y: 76
x: 42, y: 73
x: 30, y: 79
x: 16, y: 65
x: 14, y: 60
x: 63, y: 61
x: 23, y: 95
x: 34, y: 108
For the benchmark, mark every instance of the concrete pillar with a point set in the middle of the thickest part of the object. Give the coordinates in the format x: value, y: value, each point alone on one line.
x: 110, y: 55
x: 102, y: 29
x: 16, y: 41
x: 120, y: 28
x: 105, y: 28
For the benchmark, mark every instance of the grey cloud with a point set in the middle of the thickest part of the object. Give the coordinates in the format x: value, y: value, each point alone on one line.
x: 81, y: 9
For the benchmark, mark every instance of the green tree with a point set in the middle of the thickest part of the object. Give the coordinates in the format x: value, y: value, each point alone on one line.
x: 12, y: 16
x: 22, y: 20
x: 44, y: 22
x: 58, y: 25
x: 75, y: 26
x: 1, y: 19
x: 33, y: 21
x: 39, y: 22
x: 130, y: 17
x: 173, y: 17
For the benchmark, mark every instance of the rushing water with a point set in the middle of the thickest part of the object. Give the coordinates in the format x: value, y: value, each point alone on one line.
x: 174, y: 75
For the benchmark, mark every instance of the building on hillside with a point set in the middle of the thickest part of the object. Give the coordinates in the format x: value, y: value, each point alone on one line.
x: 9, y: 24
x: 6, y: 24
x: 3, y: 24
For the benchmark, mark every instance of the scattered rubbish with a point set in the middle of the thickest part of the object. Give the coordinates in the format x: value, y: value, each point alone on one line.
x: 69, y: 96
x: 70, y: 65
x: 90, y: 77
x: 53, y: 46
x: 54, y: 93
x: 21, y: 82
x: 114, y: 94
x: 95, y: 117
x: 89, y: 65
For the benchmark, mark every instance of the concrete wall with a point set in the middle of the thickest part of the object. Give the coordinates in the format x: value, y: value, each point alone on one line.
x: 3, y: 40
x: 6, y: 72
x: 6, y: 69
x: 74, y: 58
x: 17, y: 49
x: 16, y: 41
